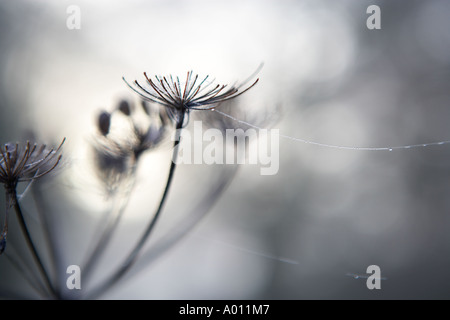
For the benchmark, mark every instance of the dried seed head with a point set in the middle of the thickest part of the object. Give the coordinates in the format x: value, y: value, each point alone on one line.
x: 146, y: 140
x: 112, y: 160
x: 104, y: 122
x: 117, y: 151
x: 113, y: 163
x: 25, y: 163
x: 124, y: 107
x: 193, y: 94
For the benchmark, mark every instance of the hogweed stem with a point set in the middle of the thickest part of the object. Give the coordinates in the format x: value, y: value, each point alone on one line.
x: 15, y: 203
x: 132, y: 257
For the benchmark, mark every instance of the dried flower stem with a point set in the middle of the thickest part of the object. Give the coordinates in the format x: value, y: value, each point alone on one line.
x: 131, y: 259
x: 11, y: 192
x: 182, y: 229
x: 114, y: 219
x: 49, y: 235
x: 35, y: 284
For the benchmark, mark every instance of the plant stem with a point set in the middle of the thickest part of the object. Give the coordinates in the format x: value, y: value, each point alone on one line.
x: 29, y: 241
x: 132, y: 257
x: 49, y: 236
x: 119, y: 207
x: 37, y: 286
x: 192, y: 218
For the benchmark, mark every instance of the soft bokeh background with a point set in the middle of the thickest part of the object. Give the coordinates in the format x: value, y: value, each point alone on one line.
x: 327, y: 212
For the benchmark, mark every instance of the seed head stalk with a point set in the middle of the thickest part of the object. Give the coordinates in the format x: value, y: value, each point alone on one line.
x: 26, y: 164
x: 132, y: 257
x: 178, y: 102
x: 120, y: 204
x: 11, y: 192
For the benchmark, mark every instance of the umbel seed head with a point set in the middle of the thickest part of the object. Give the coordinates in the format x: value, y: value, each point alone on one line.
x: 26, y: 162
x: 193, y: 94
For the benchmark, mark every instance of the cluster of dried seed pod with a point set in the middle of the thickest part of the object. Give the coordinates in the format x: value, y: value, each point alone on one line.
x: 117, y: 154
x: 25, y: 163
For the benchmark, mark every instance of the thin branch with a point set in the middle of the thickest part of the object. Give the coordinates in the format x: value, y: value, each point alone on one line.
x: 132, y: 257
x: 30, y: 243
x: 48, y: 235
x: 113, y: 221
x: 182, y: 229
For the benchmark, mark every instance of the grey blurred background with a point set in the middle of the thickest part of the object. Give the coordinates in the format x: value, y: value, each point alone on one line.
x: 327, y: 212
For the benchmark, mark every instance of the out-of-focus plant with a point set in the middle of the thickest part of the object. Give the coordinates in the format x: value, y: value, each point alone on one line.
x: 164, y: 108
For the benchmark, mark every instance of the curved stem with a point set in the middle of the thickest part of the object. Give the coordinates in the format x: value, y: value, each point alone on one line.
x: 114, y: 219
x: 29, y: 241
x: 49, y: 235
x: 37, y: 286
x: 194, y: 216
x: 132, y: 257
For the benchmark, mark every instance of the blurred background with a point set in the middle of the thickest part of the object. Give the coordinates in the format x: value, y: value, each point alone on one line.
x: 294, y: 235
